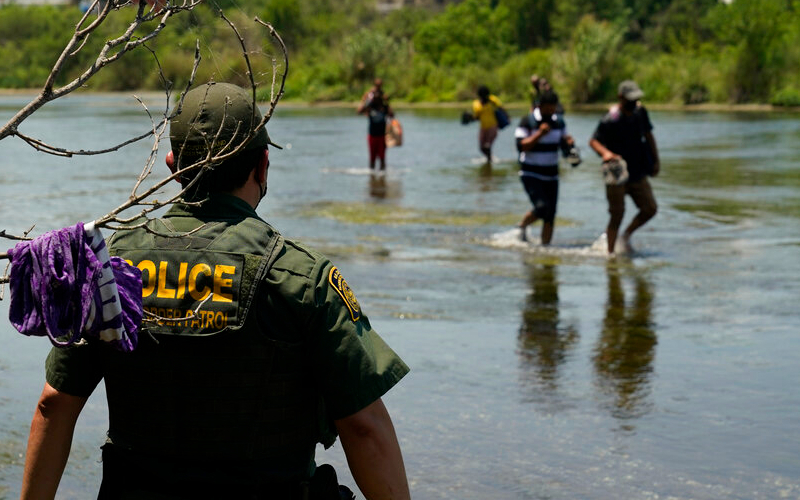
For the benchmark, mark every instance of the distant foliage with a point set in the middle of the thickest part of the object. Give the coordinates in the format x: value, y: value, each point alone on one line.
x: 30, y: 44
x: 532, y: 21
x: 468, y: 32
x: 757, y: 30
x: 683, y: 51
x: 366, y: 53
x: 590, y: 61
x: 789, y: 96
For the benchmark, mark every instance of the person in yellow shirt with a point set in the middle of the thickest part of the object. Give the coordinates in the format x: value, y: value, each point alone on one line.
x: 483, y: 109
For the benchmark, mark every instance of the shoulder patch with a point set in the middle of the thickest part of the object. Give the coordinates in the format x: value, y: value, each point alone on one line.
x: 338, y: 283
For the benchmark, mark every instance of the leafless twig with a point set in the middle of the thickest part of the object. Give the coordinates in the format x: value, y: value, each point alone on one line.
x: 135, y: 212
x: 112, y: 51
x: 4, y: 278
x: 154, y: 318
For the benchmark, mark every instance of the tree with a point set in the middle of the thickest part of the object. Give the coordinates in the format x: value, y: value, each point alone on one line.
x: 569, y: 15
x: 755, y: 29
x: 468, y: 32
x: 532, y: 21
x: 681, y: 26
x: 590, y: 61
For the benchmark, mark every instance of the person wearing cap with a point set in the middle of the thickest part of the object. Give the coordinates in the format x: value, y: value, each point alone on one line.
x: 626, y: 132
x: 375, y: 105
x: 540, y: 136
x: 259, y: 349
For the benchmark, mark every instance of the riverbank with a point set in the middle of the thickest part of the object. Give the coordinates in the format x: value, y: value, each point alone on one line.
x: 706, y: 107
x: 656, y: 106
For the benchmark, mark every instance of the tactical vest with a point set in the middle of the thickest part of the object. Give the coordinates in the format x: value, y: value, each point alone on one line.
x: 208, y: 383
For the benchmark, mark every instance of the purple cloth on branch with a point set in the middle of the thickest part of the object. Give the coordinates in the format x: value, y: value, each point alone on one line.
x: 55, y: 290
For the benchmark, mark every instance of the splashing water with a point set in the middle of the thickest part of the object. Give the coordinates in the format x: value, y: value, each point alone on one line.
x: 511, y: 239
x: 395, y: 172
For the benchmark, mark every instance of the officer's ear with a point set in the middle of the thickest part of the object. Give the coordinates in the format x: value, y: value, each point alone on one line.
x: 170, y: 161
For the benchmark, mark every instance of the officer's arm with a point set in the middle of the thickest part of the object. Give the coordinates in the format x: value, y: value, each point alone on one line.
x: 49, y: 442
x: 373, y: 453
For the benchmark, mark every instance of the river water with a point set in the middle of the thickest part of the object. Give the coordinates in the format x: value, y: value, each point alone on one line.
x: 536, y: 373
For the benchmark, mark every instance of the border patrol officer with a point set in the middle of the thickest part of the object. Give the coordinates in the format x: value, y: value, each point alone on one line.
x: 231, y: 400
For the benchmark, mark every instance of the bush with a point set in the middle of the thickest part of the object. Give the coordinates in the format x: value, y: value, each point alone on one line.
x: 428, y: 81
x: 365, y: 54
x: 788, y: 96
x: 590, y: 61
x: 696, y: 93
x: 756, y: 29
x: 466, y: 33
x: 514, y: 75
x: 32, y: 39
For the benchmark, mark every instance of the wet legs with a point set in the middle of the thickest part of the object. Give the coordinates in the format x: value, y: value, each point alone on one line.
x: 642, y: 195
x: 528, y: 219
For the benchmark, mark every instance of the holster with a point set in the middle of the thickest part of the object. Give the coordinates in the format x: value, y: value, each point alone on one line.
x: 324, y: 485
x: 128, y: 476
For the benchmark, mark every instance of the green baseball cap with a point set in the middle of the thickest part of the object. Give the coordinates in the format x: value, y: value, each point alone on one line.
x: 216, y: 116
x: 630, y: 90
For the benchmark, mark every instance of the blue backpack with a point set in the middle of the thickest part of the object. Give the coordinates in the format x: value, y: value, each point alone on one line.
x: 502, y: 118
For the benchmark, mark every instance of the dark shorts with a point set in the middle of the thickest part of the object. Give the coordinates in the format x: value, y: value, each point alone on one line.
x: 543, y: 195
x: 640, y: 192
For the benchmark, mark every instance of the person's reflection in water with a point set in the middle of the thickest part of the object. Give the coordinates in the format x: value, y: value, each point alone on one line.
x: 486, y: 179
x: 623, y: 356
x: 545, y: 341
x: 381, y: 187
x: 377, y: 186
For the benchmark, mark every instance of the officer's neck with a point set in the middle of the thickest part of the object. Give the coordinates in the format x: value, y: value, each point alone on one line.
x: 255, y: 187
x: 250, y: 193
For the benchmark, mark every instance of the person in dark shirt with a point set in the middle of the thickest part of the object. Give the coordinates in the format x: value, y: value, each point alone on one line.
x: 375, y: 104
x: 626, y: 132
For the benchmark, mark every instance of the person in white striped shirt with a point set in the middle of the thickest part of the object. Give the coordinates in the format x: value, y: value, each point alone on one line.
x: 540, y: 136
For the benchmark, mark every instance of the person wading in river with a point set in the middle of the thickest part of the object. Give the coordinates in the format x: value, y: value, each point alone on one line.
x: 626, y: 132
x: 229, y: 402
x: 375, y: 104
x: 540, y: 136
x: 484, y: 110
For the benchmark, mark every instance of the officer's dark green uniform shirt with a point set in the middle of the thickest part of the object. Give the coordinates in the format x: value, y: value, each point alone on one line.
x: 300, y: 319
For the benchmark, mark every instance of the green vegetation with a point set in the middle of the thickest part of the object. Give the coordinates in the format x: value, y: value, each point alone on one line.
x: 361, y: 213
x: 680, y: 51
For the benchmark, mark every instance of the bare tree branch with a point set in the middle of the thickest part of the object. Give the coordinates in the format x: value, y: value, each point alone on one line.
x: 154, y: 318
x: 123, y: 44
x: 275, y: 97
x: 4, y: 234
x: 4, y: 277
x: 211, y: 159
x: 46, y: 148
x: 135, y: 211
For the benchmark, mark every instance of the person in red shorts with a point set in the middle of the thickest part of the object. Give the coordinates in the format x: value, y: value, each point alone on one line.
x: 375, y: 104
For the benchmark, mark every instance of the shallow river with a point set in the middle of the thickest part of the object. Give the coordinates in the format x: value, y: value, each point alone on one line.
x: 536, y: 373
